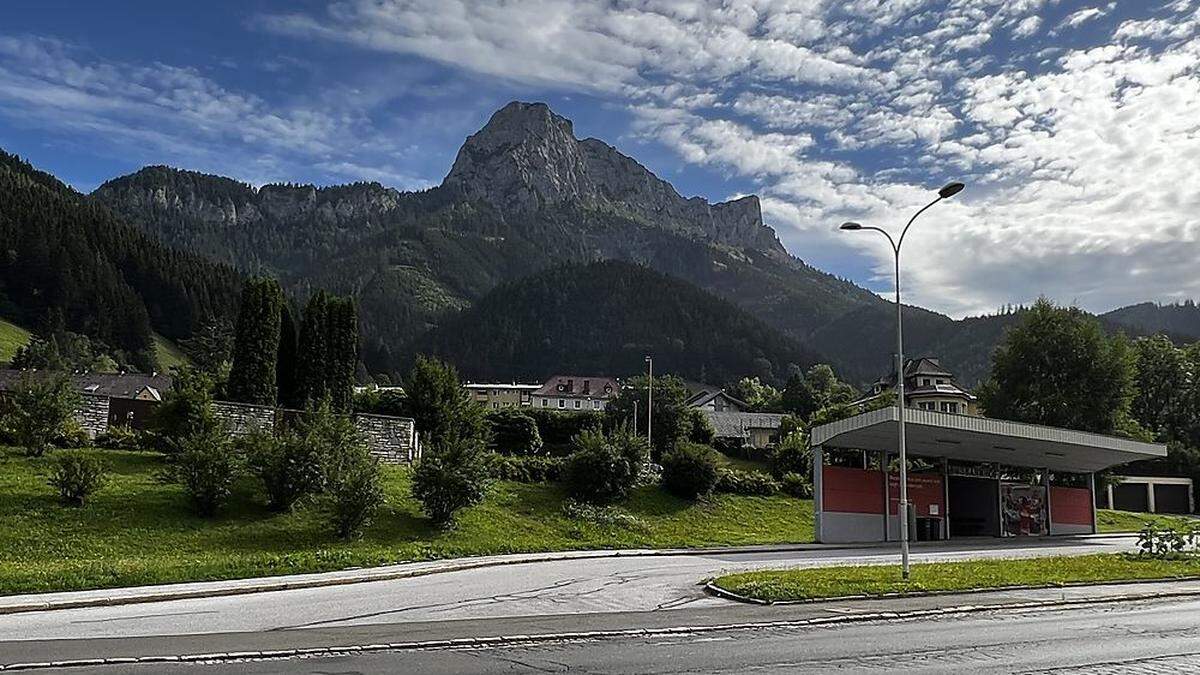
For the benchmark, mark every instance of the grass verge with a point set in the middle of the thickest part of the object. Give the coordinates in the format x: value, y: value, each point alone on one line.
x: 1129, y: 521
x: 139, y: 531
x: 833, y: 582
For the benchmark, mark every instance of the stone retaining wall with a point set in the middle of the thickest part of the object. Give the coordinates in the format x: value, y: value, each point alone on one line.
x: 391, y: 439
x: 92, y: 414
x: 244, y: 418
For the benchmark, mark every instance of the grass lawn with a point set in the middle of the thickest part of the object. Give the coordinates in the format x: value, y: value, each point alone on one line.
x: 1129, y: 521
x: 832, y: 582
x: 12, y: 336
x: 167, y: 354
x: 138, y: 531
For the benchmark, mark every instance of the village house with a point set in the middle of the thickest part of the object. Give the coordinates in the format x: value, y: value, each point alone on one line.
x: 575, y: 393
x: 496, y: 396
x: 732, y: 420
x: 927, y: 386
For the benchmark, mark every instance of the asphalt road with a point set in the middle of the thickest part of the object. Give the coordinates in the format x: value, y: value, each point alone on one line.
x: 1160, y: 637
x: 568, y: 587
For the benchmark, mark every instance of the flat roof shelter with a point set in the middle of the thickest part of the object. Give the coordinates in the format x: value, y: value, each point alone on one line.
x: 980, y: 476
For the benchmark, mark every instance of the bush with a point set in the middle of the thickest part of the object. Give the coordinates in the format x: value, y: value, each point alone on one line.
x: 119, y: 437
x: 797, y: 485
x: 356, y: 496
x: 604, y: 468
x: 528, y: 469
x: 514, y: 432
x: 290, y: 467
x: 791, y: 456
x: 77, y: 477
x: 558, y: 429
x: 332, y: 438
x: 186, y: 411
x: 702, y: 431
x: 442, y: 409
x: 689, y: 470
x: 38, y: 412
x: 206, y: 465
x: 603, y: 516
x: 739, y: 482
x: 453, y: 474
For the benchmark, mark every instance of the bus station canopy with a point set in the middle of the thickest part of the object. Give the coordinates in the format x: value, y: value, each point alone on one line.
x: 980, y: 439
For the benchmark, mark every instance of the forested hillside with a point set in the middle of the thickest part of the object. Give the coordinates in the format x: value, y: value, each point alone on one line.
x: 602, y: 319
x: 1181, y: 321
x: 69, y: 264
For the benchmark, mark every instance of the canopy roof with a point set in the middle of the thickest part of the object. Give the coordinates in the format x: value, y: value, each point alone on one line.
x: 980, y: 439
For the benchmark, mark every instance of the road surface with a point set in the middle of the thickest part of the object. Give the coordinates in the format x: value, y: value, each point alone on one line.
x: 1160, y: 637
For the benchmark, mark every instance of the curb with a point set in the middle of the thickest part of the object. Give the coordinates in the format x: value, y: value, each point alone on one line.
x: 502, y: 640
x: 314, y: 580
x: 715, y: 590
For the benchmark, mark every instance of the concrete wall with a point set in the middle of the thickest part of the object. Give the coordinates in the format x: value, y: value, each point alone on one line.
x: 243, y: 418
x: 391, y: 439
x: 92, y: 414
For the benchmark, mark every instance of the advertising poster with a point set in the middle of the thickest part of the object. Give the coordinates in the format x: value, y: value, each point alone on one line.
x: 1022, y: 509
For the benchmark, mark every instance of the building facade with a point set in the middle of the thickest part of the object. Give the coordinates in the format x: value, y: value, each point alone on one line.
x: 732, y: 421
x: 575, y: 393
x: 497, y: 396
x: 928, y: 386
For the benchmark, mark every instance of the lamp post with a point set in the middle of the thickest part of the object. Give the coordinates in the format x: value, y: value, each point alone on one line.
x: 947, y: 191
x: 650, y: 401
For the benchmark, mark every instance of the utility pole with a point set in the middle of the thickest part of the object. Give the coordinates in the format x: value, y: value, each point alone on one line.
x: 650, y: 401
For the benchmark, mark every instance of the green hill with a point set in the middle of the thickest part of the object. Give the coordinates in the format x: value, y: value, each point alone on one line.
x: 603, y: 318
x: 12, y: 336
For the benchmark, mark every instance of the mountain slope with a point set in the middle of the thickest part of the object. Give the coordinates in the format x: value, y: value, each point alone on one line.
x: 70, y: 263
x: 1181, y: 321
x: 603, y: 318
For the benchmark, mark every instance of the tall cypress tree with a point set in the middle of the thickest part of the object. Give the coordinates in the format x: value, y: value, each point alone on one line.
x: 313, y: 352
x: 256, y: 343
x: 342, y: 352
x: 286, y: 366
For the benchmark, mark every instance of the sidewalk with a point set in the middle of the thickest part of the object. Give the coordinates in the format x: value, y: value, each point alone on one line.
x: 485, y: 632
x: 138, y: 594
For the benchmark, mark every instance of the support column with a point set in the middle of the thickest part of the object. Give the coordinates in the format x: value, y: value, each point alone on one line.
x: 946, y: 497
x: 818, y: 460
x: 1046, y: 484
x: 1092, y: 497
x: 1150, y: 498
x: 1109, y: 491
x: 887, y: 494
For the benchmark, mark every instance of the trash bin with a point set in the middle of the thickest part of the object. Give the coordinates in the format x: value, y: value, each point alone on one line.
x: 929, y: 529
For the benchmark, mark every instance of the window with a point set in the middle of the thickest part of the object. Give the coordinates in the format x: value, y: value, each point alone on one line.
x: 545, y: 402
x: 562, y: 402
x: 595, y: 405
x: 578, y: 404
x: 941, y: 381
x: 926, y: 405
x: 950, y: 407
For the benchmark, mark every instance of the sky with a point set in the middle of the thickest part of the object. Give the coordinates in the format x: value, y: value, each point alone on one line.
x: 1075, y: 125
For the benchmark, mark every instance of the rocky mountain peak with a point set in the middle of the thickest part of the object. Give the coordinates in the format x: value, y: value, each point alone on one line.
x: 527, y: 158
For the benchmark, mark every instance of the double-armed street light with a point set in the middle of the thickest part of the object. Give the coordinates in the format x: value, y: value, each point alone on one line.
x: 947, y: 191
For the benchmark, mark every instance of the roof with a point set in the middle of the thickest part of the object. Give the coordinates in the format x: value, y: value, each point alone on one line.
x: 703, y: 397
x: 114, y: 385
x: 980, y: 439
x: 503, y: 385
x: 736, y: 424
x: 924, y: 365
x: 568, y: 386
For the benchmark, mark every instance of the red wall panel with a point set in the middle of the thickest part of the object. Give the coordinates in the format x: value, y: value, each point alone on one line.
x: 848, y: 490
x: 1070, y: 506
x: 925, y: 493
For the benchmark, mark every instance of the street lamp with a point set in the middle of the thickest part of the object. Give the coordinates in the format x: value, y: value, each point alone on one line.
x: 947, y: 191
x: 650, y: 401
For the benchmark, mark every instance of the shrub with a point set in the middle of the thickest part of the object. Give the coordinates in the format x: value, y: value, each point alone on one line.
x: 702, y: 431
x: 689, y: 470
x: 289, y: 467
x: 186, y: 411
x: 537, y: 469
x: 119, y: 437
x: 206, y: 465
x: 76, y: 476
x: 442, y: 409
x: 39, y: 412
x: 603, y: 516
x: 739, y: 482
x: 797, y: 485
x: 332, y: 438
x: 791, y: 456
x: 558, y: 429
x: 604, y: 468
x: 453, y: 474
x: 356, y: 496
x: 514, y: 432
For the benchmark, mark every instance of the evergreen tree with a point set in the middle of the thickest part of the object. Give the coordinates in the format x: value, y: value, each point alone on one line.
x: 256, y: 343
x: 286, y: 366
x: 341, y: 331
x: 314, y: 351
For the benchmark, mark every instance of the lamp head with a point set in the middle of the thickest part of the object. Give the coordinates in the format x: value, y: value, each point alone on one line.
x: 850, y: 226
x: 950, y: 189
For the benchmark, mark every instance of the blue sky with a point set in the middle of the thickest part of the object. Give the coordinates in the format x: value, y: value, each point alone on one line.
x: 1075, y: 124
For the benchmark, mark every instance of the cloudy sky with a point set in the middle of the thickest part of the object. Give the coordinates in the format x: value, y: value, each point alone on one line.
x: 1076, y: 125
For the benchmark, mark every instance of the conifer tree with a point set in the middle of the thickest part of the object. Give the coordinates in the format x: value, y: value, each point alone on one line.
x: 313, y: 352
x: 341, y: 352
x: 256, y: 343
x: 286, y: 366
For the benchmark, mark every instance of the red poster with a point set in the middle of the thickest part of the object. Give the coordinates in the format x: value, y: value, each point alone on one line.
x: 925, y: 493
x: 848, y: 490
x: 1070, y: 506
